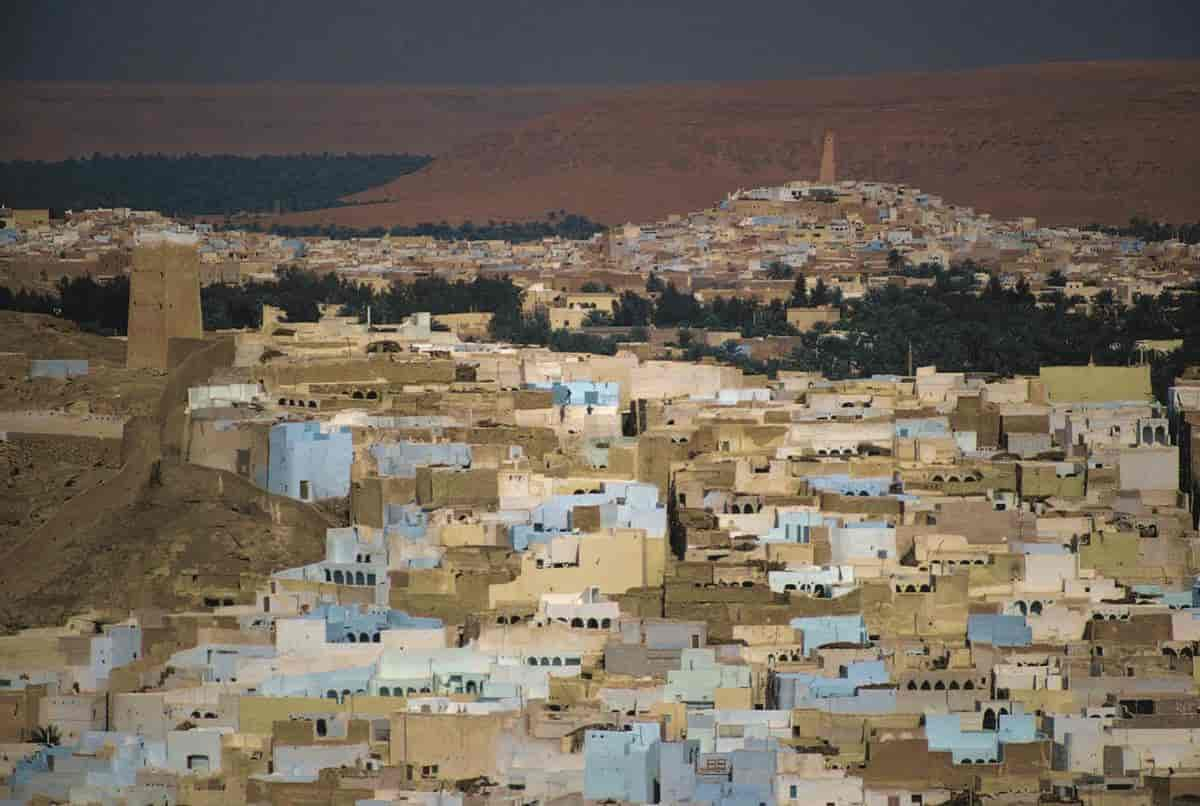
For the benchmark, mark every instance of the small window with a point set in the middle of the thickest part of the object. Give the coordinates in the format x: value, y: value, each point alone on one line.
x: 304, y: 489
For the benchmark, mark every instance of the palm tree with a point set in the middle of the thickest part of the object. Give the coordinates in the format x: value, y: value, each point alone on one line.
x: 47, y: 735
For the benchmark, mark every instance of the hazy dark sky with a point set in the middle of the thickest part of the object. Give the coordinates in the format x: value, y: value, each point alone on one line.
x: 520, y: 41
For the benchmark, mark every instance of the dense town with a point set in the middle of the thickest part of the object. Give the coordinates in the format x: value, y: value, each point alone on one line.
x: 657, y: 573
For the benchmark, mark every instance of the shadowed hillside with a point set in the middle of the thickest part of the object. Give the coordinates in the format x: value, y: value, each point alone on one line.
x: 60, y: 120
x: 107, y: 523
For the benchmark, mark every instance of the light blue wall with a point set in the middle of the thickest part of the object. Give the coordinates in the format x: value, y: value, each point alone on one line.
x: 342, y: 621
x: 821, y: 630
x: 318, y: 684
x: 793, y: 526
x: 57, y: 368
x: 582, y: 393
x: 623, y: 505
x: 403, y: 458
x: 944, y: 733
x: 923, y: 427
x: 844, y: 484
x: 999, y: 630
x: 801, y: 689
x: 621, y: 765
x: 302, y: 452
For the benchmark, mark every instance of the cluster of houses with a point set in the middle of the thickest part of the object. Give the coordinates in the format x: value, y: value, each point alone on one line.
x: 570, y: 578
x: 847, y: 234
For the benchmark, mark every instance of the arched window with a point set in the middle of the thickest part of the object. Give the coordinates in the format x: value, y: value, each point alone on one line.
x: 471, y: 687
x: 357, y: 395
x: 375, y: 638
x: 925, y: 685
x: 545, y: 661
x: 592, y: 624
x: 360, y: 578
x: 338, y: 578
x: 556, y: 661
x: 939, y: 686
x: 911, y: 589
x: 1147, y: 435
x: 533, y: 662
x: 345, y: 693
x: 735, y: 509
x: 363, y: 638
x: 1036, y: 608
x: 953, y: 685
x: 372, y: 395
x: 384, y: 691
x: 989, y: 719
x: 924, y: 589
x: 1160, y: 435
x: 819, y: 591
x: 577, y: 622
x: 331, y: 694
x: 605, y: 623
x: 350, y: 637
x: 312, y: 404
x: 1021, y: 608
x: 328, y: 576
x: 912, y: 685
x: 969, y: 685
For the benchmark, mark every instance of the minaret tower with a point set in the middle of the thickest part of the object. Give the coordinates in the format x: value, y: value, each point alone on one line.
x: 828, y: 174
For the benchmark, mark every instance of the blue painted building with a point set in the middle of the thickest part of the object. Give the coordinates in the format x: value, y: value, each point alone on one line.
x: 802, y: 689
x: 623, y: 505
x: 402, y: 459
x: 1002, y: 631
x: 844, y: 484
x: 793, y: 526
x: 622, y: 765
x: 821, y: 630
x: 582, y: 393
x: 309, y: 464
x: 355, y: 625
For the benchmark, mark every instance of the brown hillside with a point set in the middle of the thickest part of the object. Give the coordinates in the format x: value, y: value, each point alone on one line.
x: 52, y: 121
x: 1064, y: 142
x: 110, y: 523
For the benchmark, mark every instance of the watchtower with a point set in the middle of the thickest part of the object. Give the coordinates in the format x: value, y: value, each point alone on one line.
x: 164, y: 302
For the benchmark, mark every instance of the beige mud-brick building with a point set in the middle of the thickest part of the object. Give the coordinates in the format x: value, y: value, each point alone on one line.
x: 164, y: 302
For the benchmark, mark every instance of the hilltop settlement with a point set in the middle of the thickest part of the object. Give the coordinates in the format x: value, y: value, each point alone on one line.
x: 712, y: 510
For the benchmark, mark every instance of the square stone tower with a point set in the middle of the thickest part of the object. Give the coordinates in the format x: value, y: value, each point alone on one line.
x: 164, y: 302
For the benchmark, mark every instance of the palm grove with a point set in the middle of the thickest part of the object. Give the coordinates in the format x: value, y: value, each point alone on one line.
x: 952, y: 322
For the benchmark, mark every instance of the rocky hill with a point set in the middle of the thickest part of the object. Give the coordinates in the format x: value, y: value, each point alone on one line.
x: 110, y: 523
